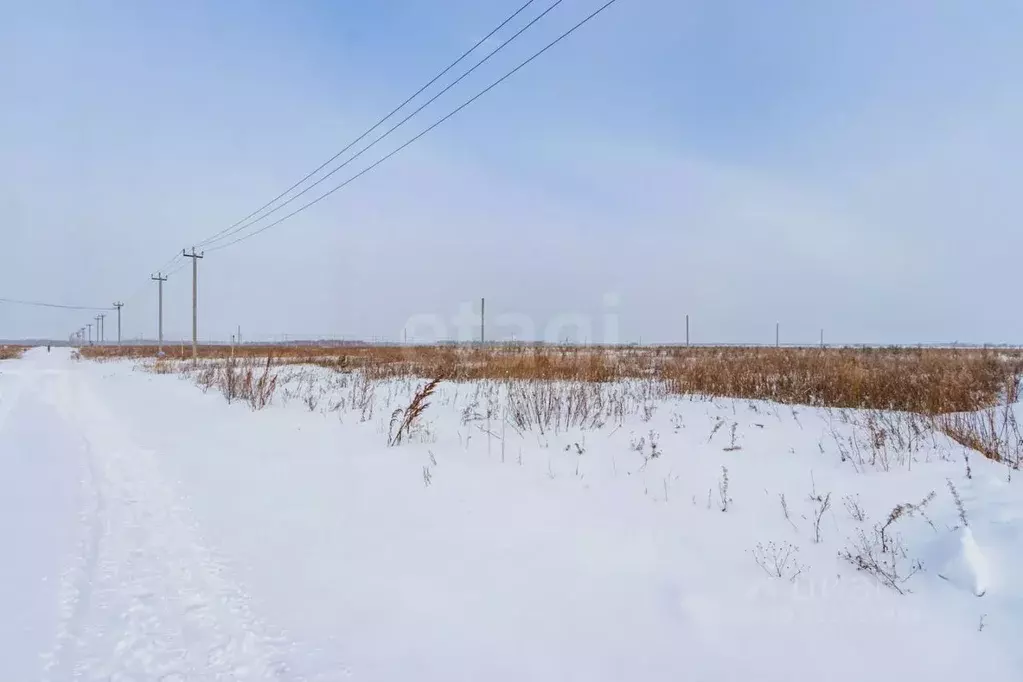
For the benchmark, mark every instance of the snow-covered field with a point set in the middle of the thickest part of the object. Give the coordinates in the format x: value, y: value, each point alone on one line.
x: 152, y: 531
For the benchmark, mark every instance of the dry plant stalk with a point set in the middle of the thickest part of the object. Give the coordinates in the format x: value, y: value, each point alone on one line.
x: 406, y: 419
x: 993, y: 432
x: 881, y: 552
x: 260, y: 389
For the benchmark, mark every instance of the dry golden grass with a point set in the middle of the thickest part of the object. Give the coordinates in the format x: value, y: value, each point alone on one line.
x: 925, y: 381
x: 993, y: 432
x: 920, y: 380
x: 11, y: 352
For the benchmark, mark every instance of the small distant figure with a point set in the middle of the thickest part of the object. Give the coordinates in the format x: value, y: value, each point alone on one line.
x: 47, y: 348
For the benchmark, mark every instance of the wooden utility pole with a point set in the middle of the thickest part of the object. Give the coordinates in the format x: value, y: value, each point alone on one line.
x: 118, y: 306
x: 160, y: 279
x: 89, y: 325
x: 195, y: 299
x: 102, y: 334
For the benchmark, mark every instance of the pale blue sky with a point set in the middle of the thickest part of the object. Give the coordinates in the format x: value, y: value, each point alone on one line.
x: 845, y: 165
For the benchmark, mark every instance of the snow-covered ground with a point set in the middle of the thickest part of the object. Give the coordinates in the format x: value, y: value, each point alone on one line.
x: 152, y: 531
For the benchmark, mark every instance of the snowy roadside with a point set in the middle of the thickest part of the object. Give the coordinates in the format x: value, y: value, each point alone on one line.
x: 479, y: 551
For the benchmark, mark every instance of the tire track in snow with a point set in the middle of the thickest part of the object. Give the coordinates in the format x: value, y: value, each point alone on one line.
x: 145, y: 599
x: 73, y: 591
x: 74, y: 582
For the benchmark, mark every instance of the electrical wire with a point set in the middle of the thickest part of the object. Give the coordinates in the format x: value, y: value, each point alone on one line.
x: 41, y: 304
x: 218, y: 235
x: 176, y: 270
x: 232, y: 229
x: 160, y: 270
x: 421, y: 134
x: 166, y: 265
x: 481, y: 62
x: 163, y: 269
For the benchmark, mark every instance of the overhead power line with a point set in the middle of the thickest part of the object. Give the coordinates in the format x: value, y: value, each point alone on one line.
x: 182, y: 266
x: 466, y: 103
x: 41, y: 304
x: 142, y: 290
x: 397, y: 125
x: 178, y: 261
x: 247, y: 222
x: 240, y: 224
x: 172, y: 261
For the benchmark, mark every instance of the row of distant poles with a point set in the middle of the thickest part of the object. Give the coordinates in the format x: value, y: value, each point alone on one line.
x: 159, y: 278
x: 483, y: 328
x: 80, y: 335
x: 85, y: 333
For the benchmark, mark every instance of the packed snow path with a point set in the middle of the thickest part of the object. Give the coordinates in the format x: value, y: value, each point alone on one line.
x: 142, y: 599
x: 154, y: 532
